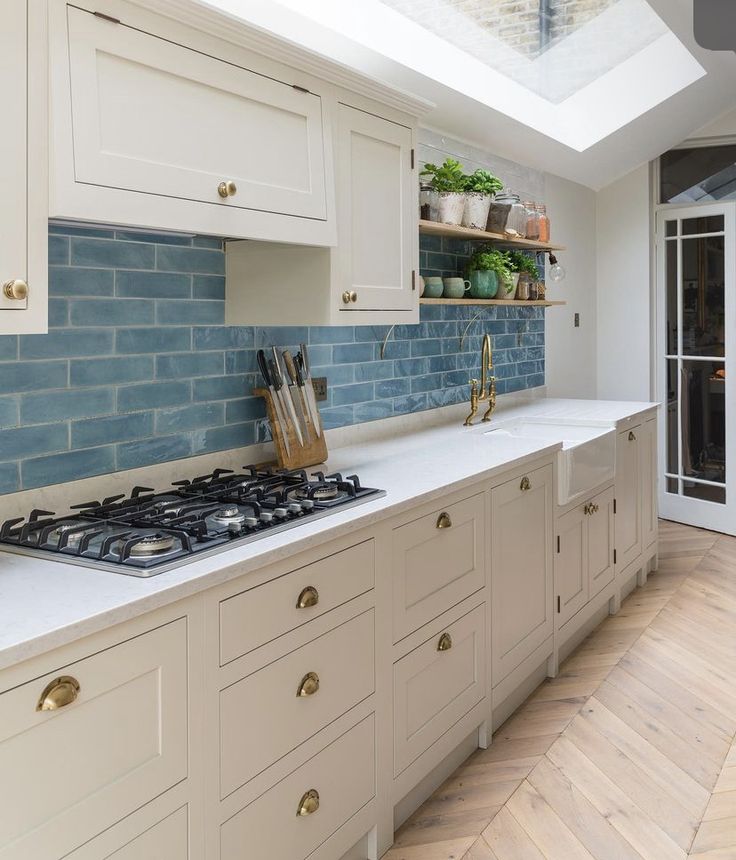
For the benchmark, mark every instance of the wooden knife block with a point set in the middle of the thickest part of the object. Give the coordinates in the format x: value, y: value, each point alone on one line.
x: 311, y: 453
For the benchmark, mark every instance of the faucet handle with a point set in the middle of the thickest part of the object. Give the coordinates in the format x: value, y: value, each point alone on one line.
x: 473, y: 383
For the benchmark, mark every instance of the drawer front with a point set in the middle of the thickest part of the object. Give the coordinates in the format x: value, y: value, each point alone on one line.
x: 435, y: 685
x: 272, y: 711
x: 82, y: 767
x: 438, y: 561
x: 252, y: 618
x: 166, y: 840
x: 344, y: 777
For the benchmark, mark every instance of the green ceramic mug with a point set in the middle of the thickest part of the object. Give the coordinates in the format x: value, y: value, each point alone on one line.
x: 433, y: 287
x: 455, y: 288
x: 483, y: 284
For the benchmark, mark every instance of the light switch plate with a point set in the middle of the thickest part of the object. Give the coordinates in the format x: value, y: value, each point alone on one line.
x: 319, y: 383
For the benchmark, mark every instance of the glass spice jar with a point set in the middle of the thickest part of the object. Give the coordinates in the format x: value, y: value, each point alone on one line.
x: 425, y: 200
x: 532, y: 220
x: 515, y: 223
x: 543, y: 221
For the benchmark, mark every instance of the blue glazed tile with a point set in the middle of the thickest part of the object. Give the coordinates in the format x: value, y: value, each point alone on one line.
x: 208, y: 287
x: 58, y: 313
x: 430, y: 312
x: 65, y: 343
x: 332, y: 334
x: 140, y: 340
x: 113, y: 428
x: 190, y: 312
x: 8, y: 411
x: 411, y: 367
x: 262, y: 430
x: 70, y: 281
x: 58, y: 250
x: 153, y: 285
x: 241, y: 361
x: 320, y: 354
x: 392, y: 388
x: 151, y: 395
x: 9, y: 478
x: 65, y: 404
x: 33, y: 375
x: 371, y: 333
x: 221, y: 438
x: 213, y: 242
x: 290, y: 336
x: 223, y: 337
x: 339, y: 416
x: 189, y: 417
x: 359, y: 392
x: 352, y: 353
x: 412, y: 403
x: 62, y: 229
x: 428, y: 382
x: 430, y: 243
x: 337, y: 374
x: 8, y: 347
x: 156, y: 450
x: 458, y: 377
x: 201, y: 261
x: 100, y: 371
x: 189, y: 364
x: 111, y: 254
x: 426, y: 347
x: 394, y: 349
x: 69, y: 466
x: 220, y: 388
x: 244, y: 409
x: 37, y: 439
x: 96, y: 312
x: 372, y: 370
x: 155, y: 238
x: 372, y: 411
x: 439, y: 363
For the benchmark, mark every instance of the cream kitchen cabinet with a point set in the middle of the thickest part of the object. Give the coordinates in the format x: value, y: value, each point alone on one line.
x: 648, y: 466
x: 23, y: 168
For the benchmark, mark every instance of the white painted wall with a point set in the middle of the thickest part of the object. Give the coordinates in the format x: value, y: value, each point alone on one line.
x: 571, y: 352
x: 624, y: 339
x: 723, y: 126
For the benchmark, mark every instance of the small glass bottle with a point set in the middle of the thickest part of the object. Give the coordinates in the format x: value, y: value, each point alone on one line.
x: 543, y: 220
x: 532, y: 220
x: 425, y: 199
x: 516, y: 218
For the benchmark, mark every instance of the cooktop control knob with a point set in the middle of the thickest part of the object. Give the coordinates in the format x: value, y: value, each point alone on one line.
x: 307, y: 504
x: 251, y: 522
x: 235, y: 529
x: 295, y: 508
x: 281, y: 513
x: 266, y: 516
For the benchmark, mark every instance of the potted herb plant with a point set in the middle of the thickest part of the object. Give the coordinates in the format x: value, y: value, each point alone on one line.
x: 448, y: 180
x: 489, y: 273
x: 480, y: 188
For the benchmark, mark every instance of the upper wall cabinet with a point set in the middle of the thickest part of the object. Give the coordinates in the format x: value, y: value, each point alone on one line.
x: 23, y: 168
x: 157, y: 128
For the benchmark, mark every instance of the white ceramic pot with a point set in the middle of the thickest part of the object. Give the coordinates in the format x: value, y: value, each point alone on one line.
x: 477, y: 207
x: 506, y: 292
x: 451, y: 207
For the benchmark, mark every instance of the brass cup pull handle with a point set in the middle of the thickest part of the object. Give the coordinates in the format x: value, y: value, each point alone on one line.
x: 445, y: 642
x: 444, y: 521
x: 308, y: 685
x: 58, y: 694
x: 309, y: 803
x: 227, y: 189
x: 308, y: 596
x: 525, y: 484
x: 632, y: 436
x: 17, y: 290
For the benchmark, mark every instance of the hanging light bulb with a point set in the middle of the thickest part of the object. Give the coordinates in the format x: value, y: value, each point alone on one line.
x: 556, y: 271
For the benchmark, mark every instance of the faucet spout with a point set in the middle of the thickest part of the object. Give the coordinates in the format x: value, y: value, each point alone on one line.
x: 487, y: 384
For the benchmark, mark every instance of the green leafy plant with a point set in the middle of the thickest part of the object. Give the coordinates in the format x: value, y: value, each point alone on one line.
x: 490, y: 259
x: 448, y: 176
x: 482, y: 182
x: 521, y: 262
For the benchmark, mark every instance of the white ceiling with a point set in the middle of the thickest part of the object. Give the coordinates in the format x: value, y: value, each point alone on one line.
x: 461, y: 115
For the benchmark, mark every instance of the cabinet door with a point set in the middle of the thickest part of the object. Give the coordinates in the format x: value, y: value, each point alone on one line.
x: 571, y: 564
x: 152, y: 116
x: 24, y: 214
x: 648, y: 473
x: 600, y: 543
x: 628, y: 497
x: 521, y: 568
x: 377, y: 229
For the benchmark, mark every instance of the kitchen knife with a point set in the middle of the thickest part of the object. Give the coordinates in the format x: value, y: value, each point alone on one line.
x: 280, y: 417
x: 311, y: 398
x: 297, y: 392
x: 278, y: 382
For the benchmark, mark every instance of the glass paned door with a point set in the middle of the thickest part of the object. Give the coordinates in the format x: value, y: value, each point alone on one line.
x: 696, y: 258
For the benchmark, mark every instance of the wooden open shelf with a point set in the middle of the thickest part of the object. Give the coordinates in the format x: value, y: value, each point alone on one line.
x: 433, y: 228
x: 514, y: 302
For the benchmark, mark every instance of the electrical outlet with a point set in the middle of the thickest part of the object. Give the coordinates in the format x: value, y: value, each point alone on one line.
x: 576, y: 320
x: 320, y: 387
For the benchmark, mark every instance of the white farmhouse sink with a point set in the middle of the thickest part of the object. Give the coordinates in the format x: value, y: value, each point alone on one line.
x: 587, y: 458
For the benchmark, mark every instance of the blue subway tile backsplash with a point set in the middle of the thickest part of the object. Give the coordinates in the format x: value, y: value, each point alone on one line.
x: 138, y: 366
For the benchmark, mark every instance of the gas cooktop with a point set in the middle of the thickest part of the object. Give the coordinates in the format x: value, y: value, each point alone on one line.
x: 148, y: 532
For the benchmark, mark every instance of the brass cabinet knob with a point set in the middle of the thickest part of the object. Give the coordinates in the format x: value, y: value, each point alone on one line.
x: 16, y: 289
x: 588, y: 509
x: 525, y: 484
x: 308, y: 685
x: 308, y: 596
x: 349, y: 296
x: 444, y: 521
x: 58, y: 694
x: 445, y: 642
x: 353, y: 296
x: 227, y: 189
x: 632, y: 436
x: 309, y: 803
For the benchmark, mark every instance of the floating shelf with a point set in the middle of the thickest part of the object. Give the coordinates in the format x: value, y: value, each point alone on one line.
x: 433, y: 228
x: 512, y: 302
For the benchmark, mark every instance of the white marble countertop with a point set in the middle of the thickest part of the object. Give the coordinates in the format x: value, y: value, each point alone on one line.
x: 46, y: 604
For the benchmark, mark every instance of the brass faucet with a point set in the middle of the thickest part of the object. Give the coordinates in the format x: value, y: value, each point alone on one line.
x: 489, y: 393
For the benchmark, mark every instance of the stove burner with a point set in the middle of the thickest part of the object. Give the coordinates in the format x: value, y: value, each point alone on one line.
x: 64, y: 528
x: 154, y: 544
x: 319, y: 494
x: 230, y: 514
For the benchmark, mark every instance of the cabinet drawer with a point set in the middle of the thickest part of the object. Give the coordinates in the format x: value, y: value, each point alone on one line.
x: 438, y: 561
x: 435, y: 685
x: 166, y: 840
x: 80, y: 768
x: 252, y: 618
x: 343, y: 775
x: 282, y: 708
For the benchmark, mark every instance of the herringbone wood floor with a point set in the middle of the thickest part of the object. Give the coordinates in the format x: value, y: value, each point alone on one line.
x: 629, y: 753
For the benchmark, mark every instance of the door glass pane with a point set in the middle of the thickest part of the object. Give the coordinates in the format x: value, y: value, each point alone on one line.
x: 671, y: 228
x: 698, y: 174
x: 711, y: 224
x: 672, y: 420
x: 672, y: 282
x: 703, y: 319
x: 704, y: 420
x: 704, y: 492
x: 672, y: 485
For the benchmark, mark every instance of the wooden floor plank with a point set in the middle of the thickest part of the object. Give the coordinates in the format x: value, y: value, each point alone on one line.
x: 508, y: 839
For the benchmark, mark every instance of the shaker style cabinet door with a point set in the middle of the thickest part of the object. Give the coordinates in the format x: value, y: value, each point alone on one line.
x: 23, y: 169
x: 571, y: 564
x: 628, y: 496
x: 648, y: 482
x: 377, y: 218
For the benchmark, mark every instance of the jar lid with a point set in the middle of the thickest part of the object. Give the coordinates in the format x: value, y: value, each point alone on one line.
x: 507, y: 196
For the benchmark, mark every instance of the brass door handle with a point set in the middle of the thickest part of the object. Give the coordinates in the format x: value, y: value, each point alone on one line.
x: 227, y: 189
x: 525, y: 484
x: 632, y: 436
x: 309, y: 803
x: 308, y: 596
x: 444, y: 521
x: 17, y: 290
x: 58, y: 694
x: 308, y: 685
x: 445, y: 642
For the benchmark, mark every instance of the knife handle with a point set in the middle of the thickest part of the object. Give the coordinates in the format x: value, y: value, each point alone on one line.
x: 291, y: 367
